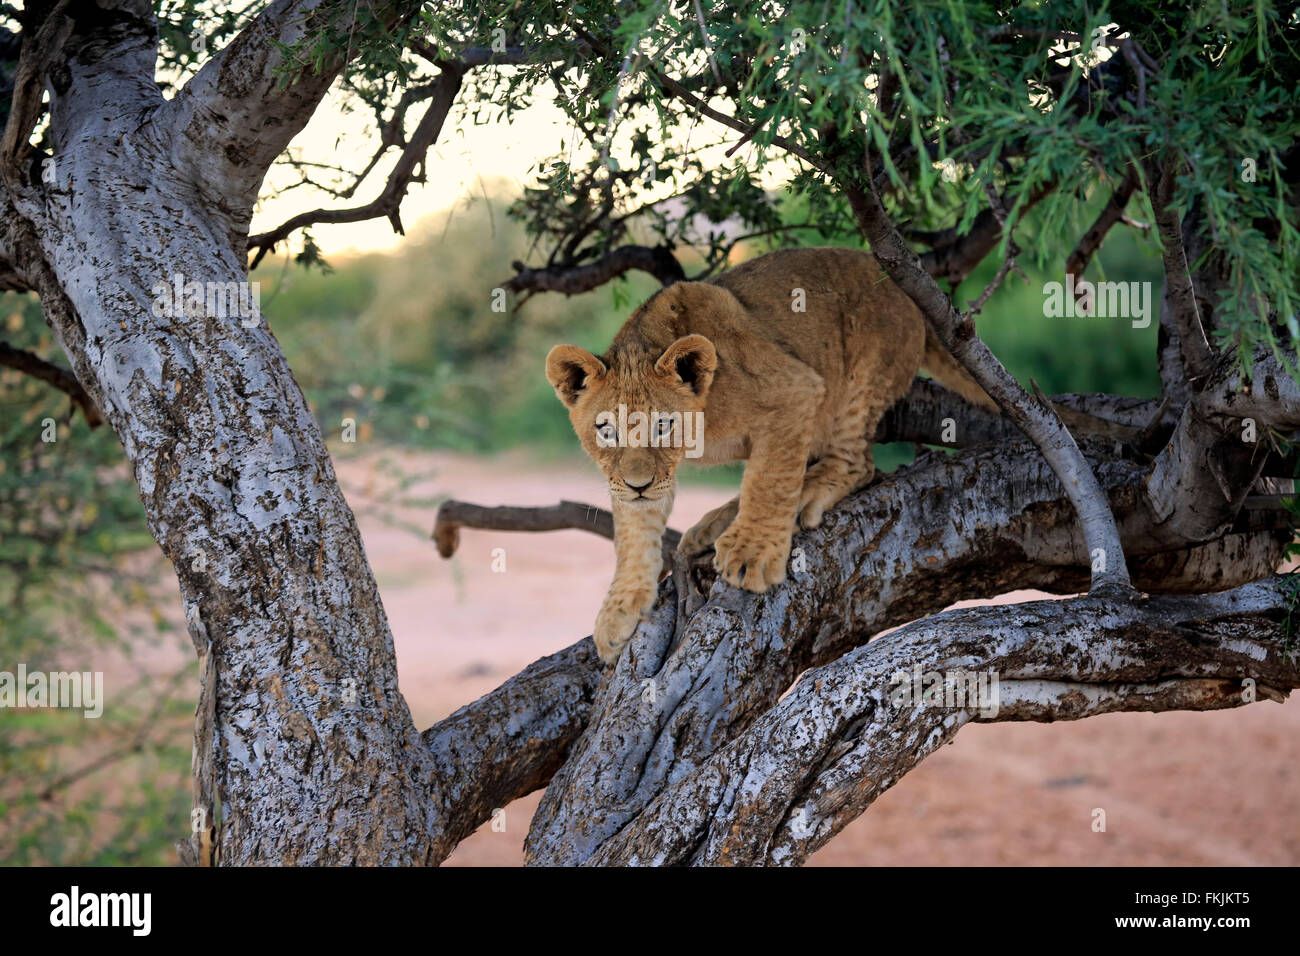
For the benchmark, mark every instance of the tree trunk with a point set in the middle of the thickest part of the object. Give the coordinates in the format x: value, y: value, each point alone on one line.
x: 311, y: 754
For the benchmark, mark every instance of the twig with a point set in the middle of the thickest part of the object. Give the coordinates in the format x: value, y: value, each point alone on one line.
x: 389, y: 201
x: 1113, y: 212
x: 675, y: 89
x: 35, y: 366
x: 573, y: 278
x: 454, y: 515
x: 708, y: 47
x: 1008, y: 261
x: 1008, y: 264
x: 137, y: 743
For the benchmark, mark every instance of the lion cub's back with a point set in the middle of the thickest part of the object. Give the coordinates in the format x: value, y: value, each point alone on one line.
x: 825, y: 305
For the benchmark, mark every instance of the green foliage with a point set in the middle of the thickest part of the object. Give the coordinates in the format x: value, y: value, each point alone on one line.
x: 68, y: 509
x: 190, y: 31
x: 1073, y: 354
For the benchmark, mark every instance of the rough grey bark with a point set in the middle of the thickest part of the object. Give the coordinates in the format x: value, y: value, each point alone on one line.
x: 232, y: 468
x: 508, y: 744
x: 1220, y: 447
x: 236, y: 481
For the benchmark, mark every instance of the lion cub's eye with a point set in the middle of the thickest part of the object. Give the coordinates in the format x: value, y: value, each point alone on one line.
x: 663, y: 427
x: 606, y: 434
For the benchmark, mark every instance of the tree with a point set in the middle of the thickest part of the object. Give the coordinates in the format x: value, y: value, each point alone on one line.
x: 127, y: 203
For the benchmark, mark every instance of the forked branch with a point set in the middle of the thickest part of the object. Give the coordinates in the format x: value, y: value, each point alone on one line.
x: 1037, y: 420
x: 388, y: 203
x: 844, y: 734
x: 574, y: 278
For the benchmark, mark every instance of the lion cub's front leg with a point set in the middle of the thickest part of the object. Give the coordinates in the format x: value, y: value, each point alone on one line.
x: 638, y: 534
x: 753, y: 551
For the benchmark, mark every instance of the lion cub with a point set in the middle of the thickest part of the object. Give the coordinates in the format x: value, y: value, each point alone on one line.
x: 789, y: 361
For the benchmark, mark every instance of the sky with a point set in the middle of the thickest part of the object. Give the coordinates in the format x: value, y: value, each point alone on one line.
x: 467, y: 161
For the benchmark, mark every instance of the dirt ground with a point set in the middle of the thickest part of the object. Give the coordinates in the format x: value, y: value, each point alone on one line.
x: 1177, y: 789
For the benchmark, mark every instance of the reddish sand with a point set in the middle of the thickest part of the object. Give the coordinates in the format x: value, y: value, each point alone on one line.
x: 1177, y: 789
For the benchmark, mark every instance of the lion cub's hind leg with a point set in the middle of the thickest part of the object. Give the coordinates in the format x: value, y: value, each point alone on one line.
x: 708, y: 529
x: 845, y: 465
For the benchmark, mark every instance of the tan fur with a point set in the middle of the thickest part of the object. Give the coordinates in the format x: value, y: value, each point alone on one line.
x: 793, y: 393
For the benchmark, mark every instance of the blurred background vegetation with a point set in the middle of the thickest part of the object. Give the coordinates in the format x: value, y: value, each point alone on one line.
x: 410, y: 347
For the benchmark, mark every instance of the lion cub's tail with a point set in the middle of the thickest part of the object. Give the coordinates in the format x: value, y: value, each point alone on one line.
x: 946, y: 370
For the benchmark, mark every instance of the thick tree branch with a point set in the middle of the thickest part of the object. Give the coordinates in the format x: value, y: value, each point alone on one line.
x: 712, y: 659
x: 509, y: 743
x: 240, y: 104
x: 1201, y: 479
x: 841, y: 738
x: 1197, y: 355
x: 678, y: 704
x: 930, y: 414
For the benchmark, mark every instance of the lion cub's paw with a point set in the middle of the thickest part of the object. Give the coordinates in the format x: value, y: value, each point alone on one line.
x: 614, y: 627
x: 751, y: 560
x: 705, y: 532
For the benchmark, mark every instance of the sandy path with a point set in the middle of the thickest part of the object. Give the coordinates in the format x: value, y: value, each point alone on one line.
x: 1177, y: 788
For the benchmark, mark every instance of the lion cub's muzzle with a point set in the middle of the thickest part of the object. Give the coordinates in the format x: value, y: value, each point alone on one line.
x: 650, y: 491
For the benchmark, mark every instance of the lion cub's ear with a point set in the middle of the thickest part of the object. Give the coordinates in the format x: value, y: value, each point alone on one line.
x: 691, y: 360
x: 570, y: 369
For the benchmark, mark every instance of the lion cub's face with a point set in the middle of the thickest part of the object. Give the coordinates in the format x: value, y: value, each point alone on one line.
x: 637, y: 413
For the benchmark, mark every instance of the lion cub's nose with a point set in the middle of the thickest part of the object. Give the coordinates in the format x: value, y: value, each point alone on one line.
x: 638, y: 488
